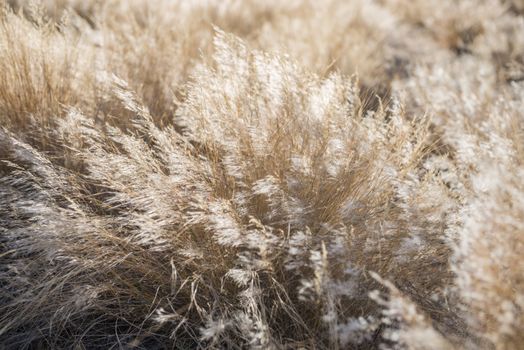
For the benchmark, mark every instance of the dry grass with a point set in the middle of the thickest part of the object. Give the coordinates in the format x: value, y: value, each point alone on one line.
x: 262, y: 174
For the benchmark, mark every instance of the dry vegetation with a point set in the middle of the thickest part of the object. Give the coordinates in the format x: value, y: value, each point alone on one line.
x: 262, y: 174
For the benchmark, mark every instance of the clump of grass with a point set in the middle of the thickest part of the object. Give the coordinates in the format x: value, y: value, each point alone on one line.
x: 191, y: 175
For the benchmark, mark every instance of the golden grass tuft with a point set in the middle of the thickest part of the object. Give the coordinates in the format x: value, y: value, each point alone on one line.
x: 266, y: 175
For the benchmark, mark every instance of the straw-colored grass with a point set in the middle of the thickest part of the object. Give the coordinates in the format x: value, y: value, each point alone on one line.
x: 262, y: 174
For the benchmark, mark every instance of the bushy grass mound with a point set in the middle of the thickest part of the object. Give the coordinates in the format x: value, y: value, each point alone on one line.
x: 262, y: 174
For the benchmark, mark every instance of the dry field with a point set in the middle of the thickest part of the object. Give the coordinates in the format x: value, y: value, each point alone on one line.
x: 248, y: 174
